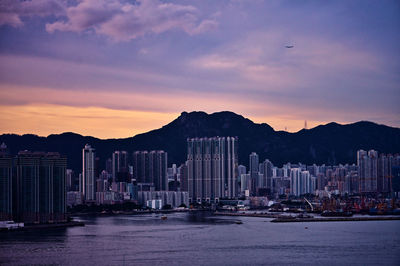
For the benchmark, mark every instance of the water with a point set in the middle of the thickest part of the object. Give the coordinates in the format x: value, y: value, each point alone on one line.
x: 185, y: 239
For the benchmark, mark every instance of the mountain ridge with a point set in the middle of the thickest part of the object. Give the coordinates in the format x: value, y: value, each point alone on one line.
x: 330, y: 143
x: 263, y: 123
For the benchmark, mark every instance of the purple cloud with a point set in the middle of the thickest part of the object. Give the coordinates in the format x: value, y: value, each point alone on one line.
x: 344, y: 65
x: 125, y: 21
x: 12, y: 11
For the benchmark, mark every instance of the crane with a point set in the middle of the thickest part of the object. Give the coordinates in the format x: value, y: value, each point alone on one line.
x: 309, y: 203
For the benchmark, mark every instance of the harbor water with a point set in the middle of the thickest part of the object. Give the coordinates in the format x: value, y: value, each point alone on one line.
x: 203, y: 239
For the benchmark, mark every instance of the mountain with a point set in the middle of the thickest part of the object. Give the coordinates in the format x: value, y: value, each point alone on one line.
x: 330, y: 144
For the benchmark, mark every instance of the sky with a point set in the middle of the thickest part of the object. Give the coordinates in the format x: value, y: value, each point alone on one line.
x: 113, y: 69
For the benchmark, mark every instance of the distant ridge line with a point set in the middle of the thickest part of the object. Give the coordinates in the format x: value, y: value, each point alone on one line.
x: 331, y: 143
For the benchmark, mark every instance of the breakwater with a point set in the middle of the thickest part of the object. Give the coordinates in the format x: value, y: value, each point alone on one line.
x: 336, y: 219
x: 35, y: 227
x: 278, y: 218
x: 261, y: 215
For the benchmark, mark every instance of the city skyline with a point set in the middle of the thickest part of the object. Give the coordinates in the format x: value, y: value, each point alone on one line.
x: 174, y: 132
x: 70, y: 63
x: 332, y: 143
x: 43, y: 193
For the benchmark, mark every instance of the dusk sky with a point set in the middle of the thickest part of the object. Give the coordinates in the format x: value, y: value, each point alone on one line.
x: 118, y: 68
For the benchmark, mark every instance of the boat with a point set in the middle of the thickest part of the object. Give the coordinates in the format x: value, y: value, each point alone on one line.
x: 164, y: 217
x: 238, y: 222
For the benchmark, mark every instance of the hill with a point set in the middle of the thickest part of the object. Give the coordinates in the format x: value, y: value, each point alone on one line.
x: 330, y: 144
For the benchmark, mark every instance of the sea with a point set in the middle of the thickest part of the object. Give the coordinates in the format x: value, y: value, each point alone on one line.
x: 203, y: 239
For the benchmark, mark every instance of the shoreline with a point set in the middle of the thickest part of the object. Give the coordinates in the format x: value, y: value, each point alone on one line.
x: 44, y: 226
x: 128, y: 212
x: 278, y: 218
x: 264, y: 215
x: 336, y: 219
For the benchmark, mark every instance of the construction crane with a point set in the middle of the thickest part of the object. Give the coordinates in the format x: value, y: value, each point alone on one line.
x: 309, y: 203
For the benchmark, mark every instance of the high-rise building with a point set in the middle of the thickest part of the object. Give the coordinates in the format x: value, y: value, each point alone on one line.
x: 351, y: 182
x: 313, y: 169
x: 360, y: 156
x: 40, y: 187
x: 384, y: 172
x: 242, y: 179
x: 100, y: 185
x: 158, y: 170
x: 88, y: 177
x: 6, y: 174
x: 212, y: 168
x: 242, y: 170
x: 172, y: 172
x: 96, y: 167
x: 301, y: 182
x: 141, y: 166
x: 120, y: 166
x: 151, y: 168
x: 70, y: 180
x: 253, y: 171
x: 245, y: 183
x: 396, y: 180
x: 183, y: 174
x: 295, y: 181
x: 109, y: 166
x: 321, y: 181
x: 266, y: 169
x: 368, y: 171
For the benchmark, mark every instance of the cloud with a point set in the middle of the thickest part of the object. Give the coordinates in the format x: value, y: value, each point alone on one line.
x: 321, y: 73
x: 118, y: 19
x: 12, y: 11
x: 262, y: 59
x: 10, y: 19
x: 86, y: 15
x: 125, y: 21
x: 265, y: 90
x: 204, y: 26
x: 110, y: 114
